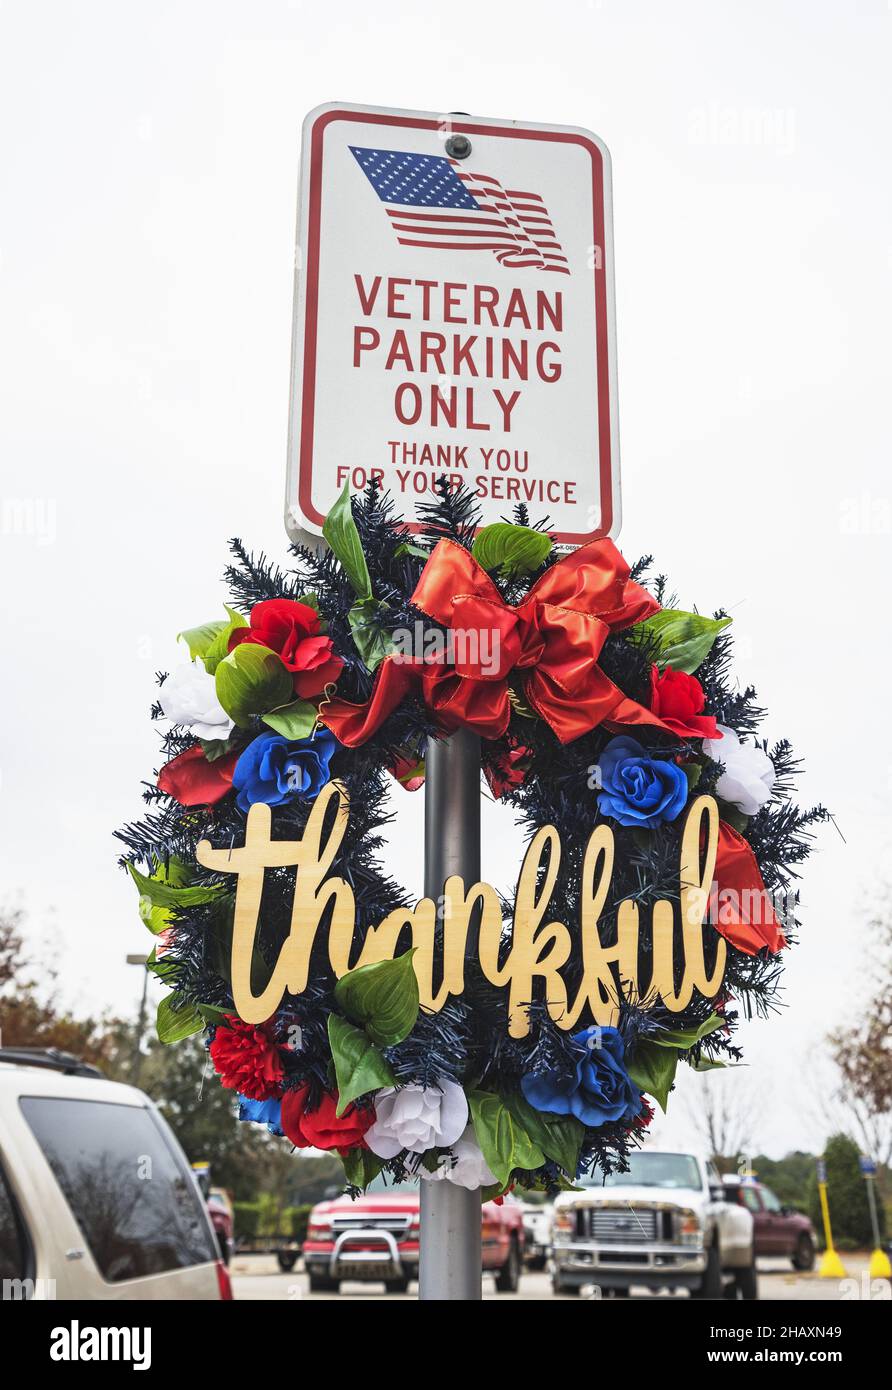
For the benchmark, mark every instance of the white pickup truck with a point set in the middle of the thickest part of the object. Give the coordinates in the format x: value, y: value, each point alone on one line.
x: 665, y: 1224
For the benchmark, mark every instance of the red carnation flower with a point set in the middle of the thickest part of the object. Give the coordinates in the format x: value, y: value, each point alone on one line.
x: 322, y: 1128
x: 193, y: 781
x: 292, y: 630
x: 508, y: 769
x: 644, y: 1116
x: 247, y: 1059
x: 679, y: 700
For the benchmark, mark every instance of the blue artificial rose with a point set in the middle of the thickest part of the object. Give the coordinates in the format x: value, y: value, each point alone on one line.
x: 598, y: 1091
x: 637, y: 789
x: 261, y: 1112
x: 276, y: 769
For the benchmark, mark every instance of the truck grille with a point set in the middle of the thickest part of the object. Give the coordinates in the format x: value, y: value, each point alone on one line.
x: 618, y: 1226
x: 397, y: 1224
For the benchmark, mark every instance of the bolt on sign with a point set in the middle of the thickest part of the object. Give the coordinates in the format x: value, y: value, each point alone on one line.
x: 454, y: 315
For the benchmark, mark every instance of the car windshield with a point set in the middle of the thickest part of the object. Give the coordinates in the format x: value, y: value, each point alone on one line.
x: 380, y: 1184
x: 655, y: 1170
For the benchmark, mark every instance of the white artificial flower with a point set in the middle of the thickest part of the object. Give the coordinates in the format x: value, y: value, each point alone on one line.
x: 470, y: 1168
x: 417, y: 1118
x: 748, y: 778
x: 189, y: 697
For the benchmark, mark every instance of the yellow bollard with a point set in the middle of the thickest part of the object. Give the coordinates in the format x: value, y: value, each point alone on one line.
x: 831, y: 1266
x: 879, y: 1267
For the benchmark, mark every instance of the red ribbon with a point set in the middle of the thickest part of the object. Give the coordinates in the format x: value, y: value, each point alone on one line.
x: 744, y: 913
x: 551, y: 642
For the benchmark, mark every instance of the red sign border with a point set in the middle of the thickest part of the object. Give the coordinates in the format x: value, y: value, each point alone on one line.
x: 311, y: 308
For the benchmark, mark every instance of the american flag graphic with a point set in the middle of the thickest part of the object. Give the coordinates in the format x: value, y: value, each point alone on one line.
x: 433, y: 201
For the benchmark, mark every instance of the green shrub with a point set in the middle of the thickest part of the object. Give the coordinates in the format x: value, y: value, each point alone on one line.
x: 295, y: 1221
x: 246, y: 1218
x: 847, y: 1196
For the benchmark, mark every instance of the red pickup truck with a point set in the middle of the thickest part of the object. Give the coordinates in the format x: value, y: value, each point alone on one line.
x: 375, y: 1238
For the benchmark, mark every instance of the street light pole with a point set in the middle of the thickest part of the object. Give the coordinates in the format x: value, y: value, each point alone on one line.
x: 450, y: 1254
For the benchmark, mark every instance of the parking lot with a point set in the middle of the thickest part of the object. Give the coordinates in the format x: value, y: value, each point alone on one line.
x: 258, y: 1277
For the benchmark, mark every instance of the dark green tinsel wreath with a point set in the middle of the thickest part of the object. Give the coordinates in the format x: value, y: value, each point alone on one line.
x: 288, y: 1072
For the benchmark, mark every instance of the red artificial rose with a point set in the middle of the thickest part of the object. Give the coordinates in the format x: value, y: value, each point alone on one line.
x: 292, y: 630
x: 193, y: 781
x: 679, y: 700
x: 322, y: 1128
x: 247, y: 1059
x: 508, y: 769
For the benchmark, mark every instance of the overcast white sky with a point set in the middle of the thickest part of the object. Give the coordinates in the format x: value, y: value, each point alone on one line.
x: 148, y: 164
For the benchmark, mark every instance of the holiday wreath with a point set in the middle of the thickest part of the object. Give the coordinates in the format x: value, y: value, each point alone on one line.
x: 608, y: 720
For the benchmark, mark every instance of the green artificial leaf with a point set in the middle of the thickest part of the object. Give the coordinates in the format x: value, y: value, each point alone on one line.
x: 686, y: 1037
x: 382, y: 998
x: 704, y: 1064
x: 339, y: 529
x: 166, y: 888
x: 293, y: 721
x: 164, y: 969
x: 505, y: 1143
x: 372, y: 641
x: 734, y: 817
x: 214, y: 748
x: 211, y: 1014
x: 511, y: 549
x: 682, y: 640
x: 693, y: 772
x: 199, y: 639
x: 652, y: 1069
x: 252, y: 680
x: 176, y: 1022
x: 360, y: 1166
x: 558, y: 1136
x: 359, y: 1066
x: 220, y: 645
x: 408, y: 549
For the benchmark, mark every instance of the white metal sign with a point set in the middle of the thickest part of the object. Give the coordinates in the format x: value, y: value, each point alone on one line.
x: 454, y: 315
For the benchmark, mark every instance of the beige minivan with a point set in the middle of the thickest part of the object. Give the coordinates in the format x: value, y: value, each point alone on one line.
x: 97, y: 1200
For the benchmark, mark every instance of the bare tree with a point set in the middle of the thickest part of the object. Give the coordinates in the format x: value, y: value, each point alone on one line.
x: 724, y: 1112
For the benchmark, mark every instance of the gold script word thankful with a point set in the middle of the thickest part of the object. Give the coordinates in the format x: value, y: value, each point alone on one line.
x: 537, y: 949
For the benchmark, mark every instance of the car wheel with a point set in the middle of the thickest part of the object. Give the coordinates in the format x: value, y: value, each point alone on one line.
x: 396, y: 1285
x: 323, y: 1283
x: 746, y: 1283
x: 562, y: 1290
x: 508, y: 1277
x: 710, y: 1285
x: 624, y: 1292
x: 804, y: 1254
x: 287, y: 1260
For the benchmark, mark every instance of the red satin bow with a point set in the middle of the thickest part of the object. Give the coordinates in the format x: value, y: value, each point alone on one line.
x: 744, y: 913
x: 551, y: 641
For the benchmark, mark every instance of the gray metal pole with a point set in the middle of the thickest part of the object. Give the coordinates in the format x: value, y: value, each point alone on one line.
x: 872, y: 1203
x: 450, y: 1259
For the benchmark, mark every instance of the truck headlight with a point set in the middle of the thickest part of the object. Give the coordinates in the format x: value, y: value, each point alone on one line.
x: 564, y: 1221
x: 690, y: 1227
